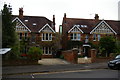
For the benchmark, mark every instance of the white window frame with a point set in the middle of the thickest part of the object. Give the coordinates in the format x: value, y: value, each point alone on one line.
x: 78, y: 36
x: 49, y: 50
x: 44, y: 38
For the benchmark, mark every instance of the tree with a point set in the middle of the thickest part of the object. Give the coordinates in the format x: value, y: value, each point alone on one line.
x: 117, y: 50
x: 107, y: 45
x: 9, y: 36
x: 8, y: 28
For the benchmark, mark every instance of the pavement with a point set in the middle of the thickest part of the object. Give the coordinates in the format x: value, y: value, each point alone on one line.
x: 51, y: 65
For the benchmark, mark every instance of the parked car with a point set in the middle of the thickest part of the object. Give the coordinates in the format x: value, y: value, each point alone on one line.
x: 115, y: 63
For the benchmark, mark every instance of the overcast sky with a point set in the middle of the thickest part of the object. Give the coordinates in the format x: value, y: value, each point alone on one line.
x: 106, y: 9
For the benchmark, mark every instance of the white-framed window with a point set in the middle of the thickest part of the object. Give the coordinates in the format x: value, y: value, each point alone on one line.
x: 98, y: 37
x: 47, y: 50
x: 46, y: 37
x: 75, y: 36
x: 94, y: 37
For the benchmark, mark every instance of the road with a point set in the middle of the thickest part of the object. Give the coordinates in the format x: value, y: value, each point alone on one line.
x: 91, y: 73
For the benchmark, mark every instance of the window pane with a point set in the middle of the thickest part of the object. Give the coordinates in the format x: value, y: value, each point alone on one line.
x: 46, y: 36
x: 71, y: 36
x: 50, y: 36
x: 78, y: 36
x: 43, y: 37
x: 25, y: 35
x: 94, y: 37
x: 20, y: 36
x: 98, y: 37
x: 75, y: 36
x: 46, y: 50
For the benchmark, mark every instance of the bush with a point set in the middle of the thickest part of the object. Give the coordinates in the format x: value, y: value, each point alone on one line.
x: 34, y: 53
x: 61, y: 56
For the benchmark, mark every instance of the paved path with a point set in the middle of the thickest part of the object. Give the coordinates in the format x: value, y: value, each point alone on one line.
x: 54, y: 61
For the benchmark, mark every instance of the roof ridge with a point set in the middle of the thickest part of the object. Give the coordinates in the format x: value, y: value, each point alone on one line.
x: 30, y: 16
x: 93, y: 19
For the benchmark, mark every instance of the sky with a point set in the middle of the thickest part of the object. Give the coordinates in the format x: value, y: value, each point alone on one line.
x: 106, y: 9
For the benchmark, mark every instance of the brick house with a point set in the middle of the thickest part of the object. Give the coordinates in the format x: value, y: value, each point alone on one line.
x: 85, y: 31
x: 37, y: 30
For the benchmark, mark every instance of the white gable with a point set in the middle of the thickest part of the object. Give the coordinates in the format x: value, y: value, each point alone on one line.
x: 75, y: 28
x: 46, y: 28
x: 103, y: 28
x: 20, y: 26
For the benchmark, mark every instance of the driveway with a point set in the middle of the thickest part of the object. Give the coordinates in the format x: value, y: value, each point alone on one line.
x: 52, y: 61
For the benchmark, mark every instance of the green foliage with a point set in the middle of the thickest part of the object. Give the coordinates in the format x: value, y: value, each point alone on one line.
x: 107, y: 45
x: 8, y: 28
x: 117, y: 50
x: 9, y: 36
x: 61, y: 56
x: 23, y: 44
x: 93, y: 45
x: 56, y: 42
x: 34, y: 53
x: 80, y: 56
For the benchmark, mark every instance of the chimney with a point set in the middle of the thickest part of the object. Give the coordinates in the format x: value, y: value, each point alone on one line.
x: 96, y: 17
x: 53, y: 19
x: 64, y: 18
x: 20, y: 12
x: 54, y: 22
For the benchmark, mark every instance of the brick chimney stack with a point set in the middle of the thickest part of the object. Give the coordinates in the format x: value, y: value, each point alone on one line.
x: 53, y: 19
x: 96, y: 17
x: 64, y: 18
x: 54, y: 22
x: 21, y: 12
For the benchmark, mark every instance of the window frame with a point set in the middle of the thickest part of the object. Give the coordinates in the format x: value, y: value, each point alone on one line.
x: 47, y: 50
x: 75, y: 36
x: 46, y: 36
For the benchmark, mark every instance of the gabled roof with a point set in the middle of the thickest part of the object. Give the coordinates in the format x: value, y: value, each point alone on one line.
x: 46, y: 25
x: 76, y: 27
x: 21, y: 23
x: 112, y: 29
x: 68, y: 23
x: 35, y: 23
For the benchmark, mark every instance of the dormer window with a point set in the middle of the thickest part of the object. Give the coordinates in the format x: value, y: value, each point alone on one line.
x: 26, y: 20
x: 34, y: 24
x: 83, y: 26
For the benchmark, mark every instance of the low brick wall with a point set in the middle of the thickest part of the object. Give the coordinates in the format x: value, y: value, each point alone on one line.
x: 71, y: 56
x: 106, y: 59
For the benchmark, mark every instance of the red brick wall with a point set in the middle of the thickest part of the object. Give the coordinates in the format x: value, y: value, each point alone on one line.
x: 71, y: 56
x: 95, y: 59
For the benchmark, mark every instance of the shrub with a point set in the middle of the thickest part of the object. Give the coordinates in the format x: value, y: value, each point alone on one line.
x: 61, y: 56
x: 34, y: 53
